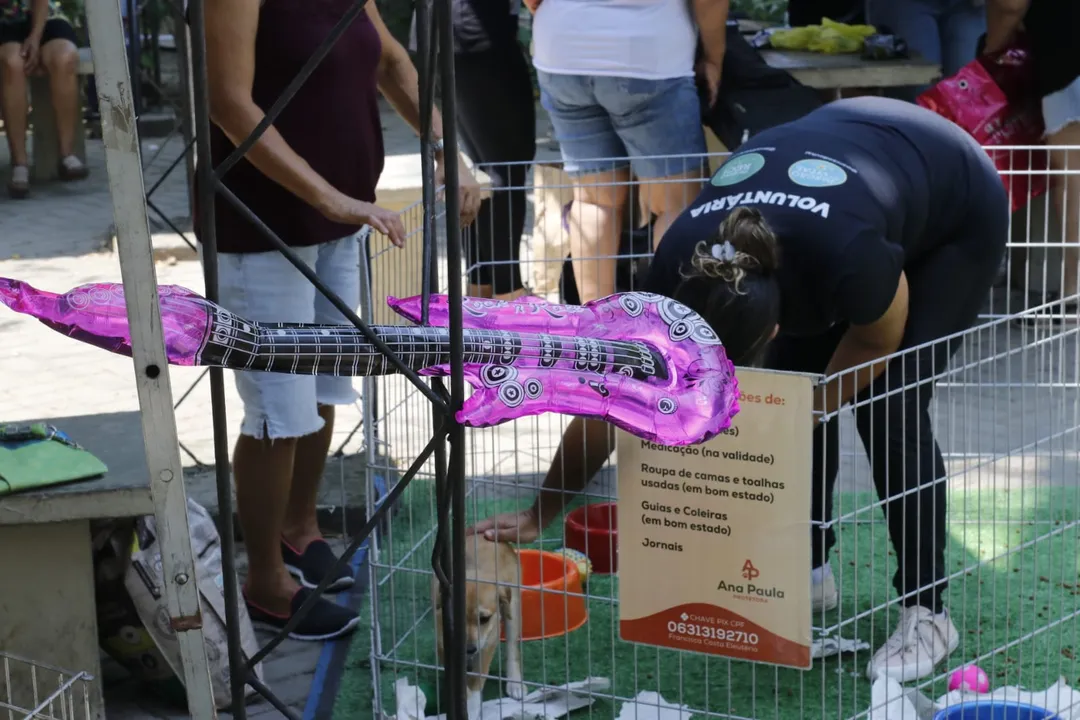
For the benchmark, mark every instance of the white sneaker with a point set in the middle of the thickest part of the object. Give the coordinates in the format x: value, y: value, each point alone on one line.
x: 823, y: 594
x: 919, y: 644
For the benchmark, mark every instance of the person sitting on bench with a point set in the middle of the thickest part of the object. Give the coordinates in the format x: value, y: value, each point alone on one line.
x: 35, y: 37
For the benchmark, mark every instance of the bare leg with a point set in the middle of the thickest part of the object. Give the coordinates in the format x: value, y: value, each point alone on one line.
x: 595, y: 224
x: 61, y: 61
x: 1066, y: 193
x: 668, y: 197
x: 301, y: 524
x: 13, y: 78
x: 263, y: 470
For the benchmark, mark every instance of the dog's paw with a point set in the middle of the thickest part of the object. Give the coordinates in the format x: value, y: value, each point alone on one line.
x: 475, y: 705
x: 515, y: 689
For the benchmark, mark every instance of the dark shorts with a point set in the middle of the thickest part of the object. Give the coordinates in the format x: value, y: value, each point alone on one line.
x: 55, y: 29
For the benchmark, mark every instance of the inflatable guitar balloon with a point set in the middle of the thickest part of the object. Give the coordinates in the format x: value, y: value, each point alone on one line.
x: 643, y: 362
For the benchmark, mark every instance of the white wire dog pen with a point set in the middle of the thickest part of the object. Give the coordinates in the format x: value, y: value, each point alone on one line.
x: 1006, y: 416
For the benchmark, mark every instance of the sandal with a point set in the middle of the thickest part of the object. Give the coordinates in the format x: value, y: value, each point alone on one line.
x: 72, y: 168
x: 19, y: 184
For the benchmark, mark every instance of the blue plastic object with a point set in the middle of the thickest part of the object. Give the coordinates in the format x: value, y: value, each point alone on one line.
x: 995, y: 710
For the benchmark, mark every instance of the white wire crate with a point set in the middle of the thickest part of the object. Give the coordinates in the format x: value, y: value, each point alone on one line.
x: 35, y: 691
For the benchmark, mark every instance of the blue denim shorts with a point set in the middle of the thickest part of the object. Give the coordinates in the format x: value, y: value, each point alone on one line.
x: 265, y: 287
x: 1062, y: 108
x: 603, y: 123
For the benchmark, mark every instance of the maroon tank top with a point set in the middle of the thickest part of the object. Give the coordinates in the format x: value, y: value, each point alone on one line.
x: 332, y: 122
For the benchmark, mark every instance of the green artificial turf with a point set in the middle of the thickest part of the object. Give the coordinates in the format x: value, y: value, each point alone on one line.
x: 1032, y: 584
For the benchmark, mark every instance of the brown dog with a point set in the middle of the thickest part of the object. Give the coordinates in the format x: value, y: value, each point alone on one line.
x: 492, y: 605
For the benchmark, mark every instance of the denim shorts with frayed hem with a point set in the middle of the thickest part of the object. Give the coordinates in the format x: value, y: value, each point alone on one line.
x: 604, y: 122
x: 265, y: 287
x: 1062, y: 107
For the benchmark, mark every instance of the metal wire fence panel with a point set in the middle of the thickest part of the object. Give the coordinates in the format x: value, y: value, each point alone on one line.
x: 34, y: 691
x: 1004, y: 411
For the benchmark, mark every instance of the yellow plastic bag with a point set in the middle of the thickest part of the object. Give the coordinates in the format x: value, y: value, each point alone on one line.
x: 854, y: 31
x: 830, y: 37
x: 792, y: 38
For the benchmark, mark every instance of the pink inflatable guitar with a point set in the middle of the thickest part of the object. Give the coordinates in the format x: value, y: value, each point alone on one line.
x: 643, y: 362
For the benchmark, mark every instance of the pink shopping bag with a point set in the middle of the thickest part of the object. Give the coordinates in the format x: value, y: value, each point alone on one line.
x: 990, y: 98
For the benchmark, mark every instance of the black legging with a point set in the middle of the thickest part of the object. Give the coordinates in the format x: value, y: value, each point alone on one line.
x: 497, y: 120
x: 946, y: 290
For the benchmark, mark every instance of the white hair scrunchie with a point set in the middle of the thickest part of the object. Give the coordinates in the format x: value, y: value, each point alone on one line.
x: 724, y: 252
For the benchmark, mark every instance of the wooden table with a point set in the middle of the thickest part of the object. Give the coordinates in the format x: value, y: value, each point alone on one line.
x: 47, y: 593
x: 836, y: 72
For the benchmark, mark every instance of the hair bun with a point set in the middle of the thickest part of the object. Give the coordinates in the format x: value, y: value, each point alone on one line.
x: 755, y: 244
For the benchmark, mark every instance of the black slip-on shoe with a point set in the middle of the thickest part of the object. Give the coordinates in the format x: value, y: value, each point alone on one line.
x: 315, y: 563
x: 325, y: 621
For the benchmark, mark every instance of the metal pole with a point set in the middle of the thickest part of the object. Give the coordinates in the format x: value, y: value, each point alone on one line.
x: 455, y: 475
x: 442, y: 560
x: 205, y: 189
x: 134, y: 49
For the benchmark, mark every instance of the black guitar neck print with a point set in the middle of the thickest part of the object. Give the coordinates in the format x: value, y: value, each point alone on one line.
x: 307, y: 349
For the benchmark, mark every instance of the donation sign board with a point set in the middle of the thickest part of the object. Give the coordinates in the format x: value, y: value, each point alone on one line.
x: 714, y: 538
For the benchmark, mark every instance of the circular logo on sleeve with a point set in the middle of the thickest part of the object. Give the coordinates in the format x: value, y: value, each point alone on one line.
x: 737, y: 169
x: 816, y: 173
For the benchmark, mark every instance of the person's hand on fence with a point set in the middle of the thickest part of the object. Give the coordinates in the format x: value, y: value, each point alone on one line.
x: 31, y: 53
x: 349, y: 211
x: 468, y: 191
x: 516, y: 527
x: 469, y: 195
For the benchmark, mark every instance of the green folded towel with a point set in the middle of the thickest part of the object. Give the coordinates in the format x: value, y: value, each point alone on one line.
x: 37, y: 456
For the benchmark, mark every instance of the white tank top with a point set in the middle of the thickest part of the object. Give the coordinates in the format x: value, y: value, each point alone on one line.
x: 652, y: 39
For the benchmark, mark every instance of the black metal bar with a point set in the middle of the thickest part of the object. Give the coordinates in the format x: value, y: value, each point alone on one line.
x: 190, y: 454
x: 170, y: 223
x: 369, y: 527
x: 455, y: 475
x: 208, y: 236
x: 330, y: 295
x: 441, y: 559
x: 427, y: 48
x: 172, y: 166
x: 191, y: 389
x: 261, y: 688
x: 292, y: 88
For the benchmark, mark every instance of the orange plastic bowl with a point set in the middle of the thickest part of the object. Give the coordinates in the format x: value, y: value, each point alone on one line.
x: 594, y: 530
x: 552, y: 602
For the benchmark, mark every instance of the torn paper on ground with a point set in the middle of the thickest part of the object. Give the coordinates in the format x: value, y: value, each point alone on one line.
x: 543, y: 704
x: 828, y: 644
x: 410, y: 700
x: 890, y: 701
x: 650, y: 705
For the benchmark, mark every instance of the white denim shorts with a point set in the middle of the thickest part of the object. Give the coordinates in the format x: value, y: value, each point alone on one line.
x: 265, y: 287
x: 1062, y: 108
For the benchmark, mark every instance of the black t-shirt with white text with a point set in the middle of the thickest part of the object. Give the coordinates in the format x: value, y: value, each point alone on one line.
x: 855, y: 191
